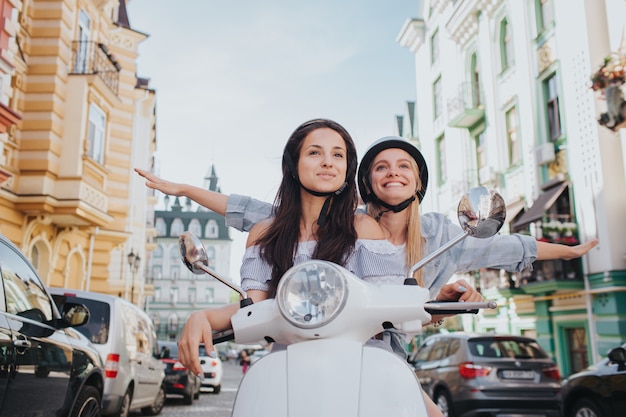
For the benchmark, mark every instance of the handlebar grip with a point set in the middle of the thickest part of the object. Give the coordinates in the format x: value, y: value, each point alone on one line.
x: 223, y: 336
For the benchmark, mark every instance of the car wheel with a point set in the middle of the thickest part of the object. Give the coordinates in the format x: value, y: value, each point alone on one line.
x: 157, y: 406
x: 188, y: 399
x: 586, y: 408
x: 444, y: 403
x: 125, y: 406
x: 87, y: 403
x: 217, y: 389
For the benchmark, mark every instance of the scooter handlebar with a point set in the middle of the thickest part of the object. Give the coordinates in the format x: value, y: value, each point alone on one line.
x: 455, y: 307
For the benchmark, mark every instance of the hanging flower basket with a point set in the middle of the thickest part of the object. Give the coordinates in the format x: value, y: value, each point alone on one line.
x: 609, y: 80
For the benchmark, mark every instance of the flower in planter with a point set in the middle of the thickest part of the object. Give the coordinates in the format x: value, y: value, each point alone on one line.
x: 612, y: 72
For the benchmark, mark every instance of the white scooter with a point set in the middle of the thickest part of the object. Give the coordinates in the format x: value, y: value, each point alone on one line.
x: 324, y: 315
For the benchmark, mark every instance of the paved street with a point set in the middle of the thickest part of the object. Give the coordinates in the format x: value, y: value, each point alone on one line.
x: 214, y: 405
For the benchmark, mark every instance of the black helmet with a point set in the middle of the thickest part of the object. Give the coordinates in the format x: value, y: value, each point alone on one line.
x: 389, y: 142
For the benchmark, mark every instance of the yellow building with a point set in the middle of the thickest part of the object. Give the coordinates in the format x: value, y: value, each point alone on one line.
x: 74, y: 120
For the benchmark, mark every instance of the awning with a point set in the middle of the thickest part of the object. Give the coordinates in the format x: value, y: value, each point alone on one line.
x: 513, y: 209
x: 542, y: 203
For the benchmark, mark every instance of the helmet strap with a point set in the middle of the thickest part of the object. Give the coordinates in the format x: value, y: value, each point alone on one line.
x: 396, y: 209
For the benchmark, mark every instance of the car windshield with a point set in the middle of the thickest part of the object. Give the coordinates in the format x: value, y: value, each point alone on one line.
x: 506, y: 348
x: 172, y: 346
x: 97, y: 328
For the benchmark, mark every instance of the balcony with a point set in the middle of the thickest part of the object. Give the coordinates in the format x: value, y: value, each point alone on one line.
x: 466, y: 108
x: 94, y: 58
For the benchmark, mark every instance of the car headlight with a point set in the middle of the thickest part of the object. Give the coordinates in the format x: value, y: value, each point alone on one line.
x: 312, y: 294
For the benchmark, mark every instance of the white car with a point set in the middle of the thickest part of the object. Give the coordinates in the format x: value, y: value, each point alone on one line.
x: 125, y: 338
x: 212, y: 369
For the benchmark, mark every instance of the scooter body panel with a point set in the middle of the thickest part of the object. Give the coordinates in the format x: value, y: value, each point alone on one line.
x: 329, y: 378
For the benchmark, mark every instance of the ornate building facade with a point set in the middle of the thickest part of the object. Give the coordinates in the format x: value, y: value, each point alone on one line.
x: 74, y: 120
x: 177, y: 291
x: 505, y: 101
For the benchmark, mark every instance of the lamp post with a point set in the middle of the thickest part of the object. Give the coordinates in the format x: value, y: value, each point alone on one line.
x: 133, y: 261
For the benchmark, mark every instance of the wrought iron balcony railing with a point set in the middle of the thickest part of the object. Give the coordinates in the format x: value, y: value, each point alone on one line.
x: 95, y: 58
x: 466, y: 108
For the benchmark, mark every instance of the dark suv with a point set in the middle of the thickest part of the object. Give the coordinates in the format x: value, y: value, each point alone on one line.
x: 46, y: 367
x: 471, y: 375
x: 598, y: 391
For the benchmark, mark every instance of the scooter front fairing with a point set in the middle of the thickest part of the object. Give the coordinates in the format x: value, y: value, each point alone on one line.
x: 330, y: 378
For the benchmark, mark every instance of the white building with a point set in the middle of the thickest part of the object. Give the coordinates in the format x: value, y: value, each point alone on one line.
x: 504, y: 100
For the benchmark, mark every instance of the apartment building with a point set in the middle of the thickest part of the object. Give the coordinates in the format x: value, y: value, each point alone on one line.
x: 75, y: 118
x: 505, y: 100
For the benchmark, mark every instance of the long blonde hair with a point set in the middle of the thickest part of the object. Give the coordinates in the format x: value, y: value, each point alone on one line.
x: 414, y: 240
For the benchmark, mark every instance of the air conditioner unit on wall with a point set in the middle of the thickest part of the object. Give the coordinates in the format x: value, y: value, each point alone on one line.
x: 544, y: 153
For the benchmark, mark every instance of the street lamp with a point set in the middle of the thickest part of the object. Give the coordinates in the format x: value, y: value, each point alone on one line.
x: 133, y: 261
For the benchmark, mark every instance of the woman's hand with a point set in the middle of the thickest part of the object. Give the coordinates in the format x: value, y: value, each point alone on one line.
x: 197, y: 330
x: 582, y: 249
x: 156, y: 183
x: 460, y: 290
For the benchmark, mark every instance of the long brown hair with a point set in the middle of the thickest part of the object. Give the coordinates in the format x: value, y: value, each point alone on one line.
x: 336, y: 236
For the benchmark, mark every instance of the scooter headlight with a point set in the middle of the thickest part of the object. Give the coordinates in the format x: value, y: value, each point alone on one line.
x: 312, y: 294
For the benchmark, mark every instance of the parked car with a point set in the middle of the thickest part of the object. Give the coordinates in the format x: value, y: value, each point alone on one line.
x: 474, y: 375
x: 46, y: 367
x: 599, y: 390
x: 125, y: 338
x: 179, y: 380
x: 212, y: 369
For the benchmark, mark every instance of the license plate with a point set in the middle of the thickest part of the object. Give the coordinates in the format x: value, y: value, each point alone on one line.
x: 515, y: 374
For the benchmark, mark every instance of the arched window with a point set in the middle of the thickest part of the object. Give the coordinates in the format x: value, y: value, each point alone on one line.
x: 506, y: 45
x: 160, y: 226
x: 212, y: 229
x: 195, y: 227
x: 177, y: 227
x: 158, y: 252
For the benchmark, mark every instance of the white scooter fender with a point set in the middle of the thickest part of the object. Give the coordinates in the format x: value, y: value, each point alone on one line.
x: 330, y: 378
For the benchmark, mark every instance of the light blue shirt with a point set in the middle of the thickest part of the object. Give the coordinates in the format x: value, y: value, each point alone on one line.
x: 509, y: 252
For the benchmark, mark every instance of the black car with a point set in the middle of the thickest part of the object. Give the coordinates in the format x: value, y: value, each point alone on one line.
x: 469, y: 375
x: 178, y: 379
x: 598, y: 391
x: 46, y: 367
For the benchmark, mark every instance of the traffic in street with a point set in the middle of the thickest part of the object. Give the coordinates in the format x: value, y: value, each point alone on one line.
x: 209, y: 404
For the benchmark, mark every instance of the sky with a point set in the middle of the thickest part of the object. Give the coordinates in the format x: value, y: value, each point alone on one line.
x: 233, y: 80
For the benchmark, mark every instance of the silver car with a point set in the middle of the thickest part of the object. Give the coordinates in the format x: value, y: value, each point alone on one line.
x: 474, y: 375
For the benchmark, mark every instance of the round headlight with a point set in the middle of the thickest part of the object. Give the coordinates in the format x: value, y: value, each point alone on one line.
x: 312, y: 294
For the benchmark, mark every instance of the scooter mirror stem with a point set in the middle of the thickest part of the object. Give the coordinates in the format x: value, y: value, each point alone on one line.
x: 195, y: 258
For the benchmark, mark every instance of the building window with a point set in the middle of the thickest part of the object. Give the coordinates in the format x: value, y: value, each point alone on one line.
x: 210, y: 252
x: 512, y: 138
x: 174, y: 252
x: 174, y: 272
x: 173, y: 295
x: 506, y: 45
x: 475, y: 76
x: 195, y: 227
x: 95, y: 133
x: 172, y: 324
x: 177, y: 227
x: 481, y: 150
x: 191, y: 295
x: 157, y: 294
x: 442, y: 166
x: 209, y: 294
x: 434, y: 47
x: 157, y: 272
x: 84, y: 35
x: 437, y: 98
x: 158, y: 251
x: 160, y: 227
x: 212, y: 229
x: 543, y: 10
x: 552, y: 107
